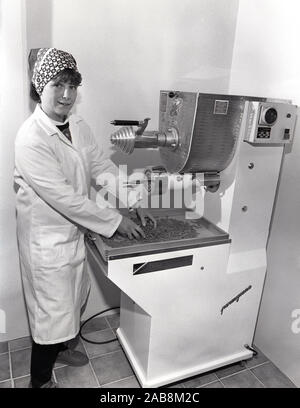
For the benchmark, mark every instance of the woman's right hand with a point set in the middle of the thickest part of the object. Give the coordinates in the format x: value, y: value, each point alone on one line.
x: 130, y: 229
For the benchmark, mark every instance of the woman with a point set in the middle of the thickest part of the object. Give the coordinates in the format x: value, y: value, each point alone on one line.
x: 56, y: 156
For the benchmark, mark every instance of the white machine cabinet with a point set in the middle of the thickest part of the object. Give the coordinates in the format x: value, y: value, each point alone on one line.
x: 190, y: 305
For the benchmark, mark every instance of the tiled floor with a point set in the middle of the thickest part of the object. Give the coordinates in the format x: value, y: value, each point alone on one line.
x: 108, y: 366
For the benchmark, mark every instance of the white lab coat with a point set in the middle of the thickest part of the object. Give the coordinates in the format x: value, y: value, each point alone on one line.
x: 53, y: 212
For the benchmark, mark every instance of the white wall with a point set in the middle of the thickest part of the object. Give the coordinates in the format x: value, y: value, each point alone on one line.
x: 127, y: 51
x: 12, y: 114
x: 266, y: 62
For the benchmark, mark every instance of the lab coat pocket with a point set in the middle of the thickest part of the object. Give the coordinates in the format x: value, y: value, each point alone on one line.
x: 56, y: 244
x: 54, y: 274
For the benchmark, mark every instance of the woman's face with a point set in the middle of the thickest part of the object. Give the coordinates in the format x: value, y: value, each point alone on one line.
x: 58, y: 98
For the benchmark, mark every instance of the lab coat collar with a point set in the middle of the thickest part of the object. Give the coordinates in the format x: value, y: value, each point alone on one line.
x: 48, y: 124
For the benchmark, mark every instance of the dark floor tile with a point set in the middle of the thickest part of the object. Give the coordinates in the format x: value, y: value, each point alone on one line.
x: 245, y: 379
x: 20, y: 344
x: 215, y: 384
x: 272, y: 377
x: 76, y: 377
x: 96, y: 350
x: 20, y: 361
x: 231, y: 369
x: 200, y: 380
x: 98, y: 323
x: 3, y: 347
x: 4, y: 367
x: 5, y: 384
x: 111, y: 367
x: 22, y: 382
x: 114, y: 320
x: 256, y: 360
x: 130, y: 382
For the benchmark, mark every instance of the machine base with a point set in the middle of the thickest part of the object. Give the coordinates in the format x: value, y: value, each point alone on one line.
x: 159, y: 381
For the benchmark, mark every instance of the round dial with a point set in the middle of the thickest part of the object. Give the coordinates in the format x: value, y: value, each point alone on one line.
x: 268, y: 116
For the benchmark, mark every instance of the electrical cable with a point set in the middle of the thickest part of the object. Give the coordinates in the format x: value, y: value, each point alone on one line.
x: 90, y: 318
x: 251, y: 349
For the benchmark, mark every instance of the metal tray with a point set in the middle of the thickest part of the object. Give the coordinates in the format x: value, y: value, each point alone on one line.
x: 205, y: 234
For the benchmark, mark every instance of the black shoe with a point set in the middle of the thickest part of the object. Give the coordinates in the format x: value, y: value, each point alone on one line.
x: 48, y: 384
x: 72, y: 358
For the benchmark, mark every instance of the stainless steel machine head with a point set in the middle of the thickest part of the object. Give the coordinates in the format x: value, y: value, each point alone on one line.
x: 198, y: 132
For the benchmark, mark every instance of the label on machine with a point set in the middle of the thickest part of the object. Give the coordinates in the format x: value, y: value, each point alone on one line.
x: 263, y: 133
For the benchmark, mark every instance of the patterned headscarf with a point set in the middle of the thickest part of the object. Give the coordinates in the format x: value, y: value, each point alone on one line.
x: 49, y: 63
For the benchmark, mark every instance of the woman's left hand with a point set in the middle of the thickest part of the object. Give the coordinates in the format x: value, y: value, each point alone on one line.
x: 143, y: 214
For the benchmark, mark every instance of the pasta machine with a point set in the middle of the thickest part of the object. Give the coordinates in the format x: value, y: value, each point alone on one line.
x: 191, y: 294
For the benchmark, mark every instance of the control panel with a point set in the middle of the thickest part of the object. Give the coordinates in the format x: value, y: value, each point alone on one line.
x: 177, y: 111
x: 270, y: 122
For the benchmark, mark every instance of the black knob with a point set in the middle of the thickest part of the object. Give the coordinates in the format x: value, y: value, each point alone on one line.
x: 270, y: 116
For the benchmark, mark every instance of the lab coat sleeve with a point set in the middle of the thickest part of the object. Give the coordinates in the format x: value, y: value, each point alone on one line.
x: 40, y: 169
x: 114, y: 179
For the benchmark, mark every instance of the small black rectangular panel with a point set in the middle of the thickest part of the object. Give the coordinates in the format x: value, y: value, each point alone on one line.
x: 263, y: 133
x: 162, y: 265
